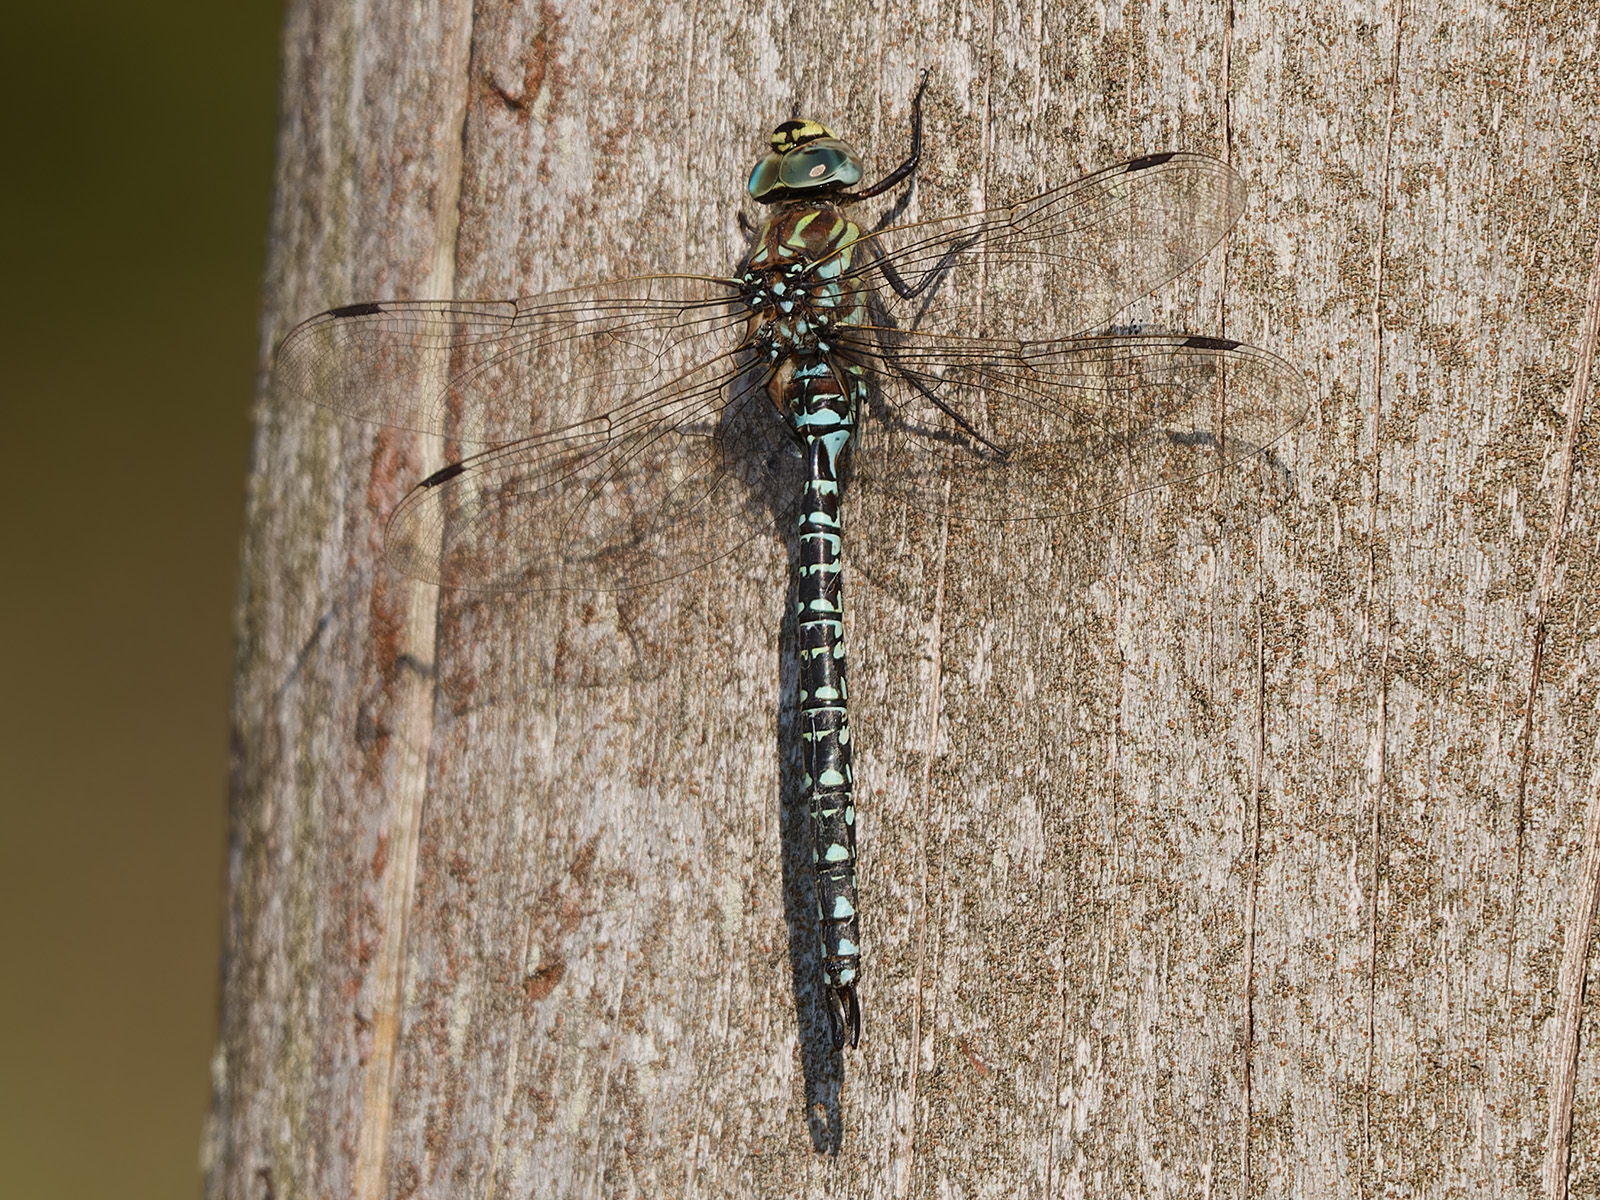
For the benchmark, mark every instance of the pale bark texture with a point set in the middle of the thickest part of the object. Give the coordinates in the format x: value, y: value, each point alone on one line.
x: 1247, y: 870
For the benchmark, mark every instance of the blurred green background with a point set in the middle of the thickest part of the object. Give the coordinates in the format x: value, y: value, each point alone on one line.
x: 136, y: 197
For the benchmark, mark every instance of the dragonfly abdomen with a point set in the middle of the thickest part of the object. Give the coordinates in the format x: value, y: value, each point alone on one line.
x: 822, y: 399
x: 803, y: 302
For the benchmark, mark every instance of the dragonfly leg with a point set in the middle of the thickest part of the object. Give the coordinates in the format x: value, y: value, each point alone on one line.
x: 892, y: 214
x: 910, y: 164
x: 933, y: 275
x: 961, y: 422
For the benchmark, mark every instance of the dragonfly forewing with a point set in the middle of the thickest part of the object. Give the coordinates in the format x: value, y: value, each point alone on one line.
x: 1065, y: 261
x: 486, y: 373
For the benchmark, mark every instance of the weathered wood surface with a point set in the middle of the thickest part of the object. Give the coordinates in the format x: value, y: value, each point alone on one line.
x: 1250, y: 870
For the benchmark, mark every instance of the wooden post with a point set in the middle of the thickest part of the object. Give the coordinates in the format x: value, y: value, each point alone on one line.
x: 1247, y: 871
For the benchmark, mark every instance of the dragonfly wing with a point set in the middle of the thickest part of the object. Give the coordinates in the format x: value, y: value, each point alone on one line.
x: 1066, y: 260
x: 684, y: 475
x: 487, y: 372
x: 1065, y: 429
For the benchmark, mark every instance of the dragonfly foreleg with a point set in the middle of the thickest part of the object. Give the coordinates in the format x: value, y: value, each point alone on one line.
x: 910, y: 164
x: 893, y: 213
x: 934, y: 274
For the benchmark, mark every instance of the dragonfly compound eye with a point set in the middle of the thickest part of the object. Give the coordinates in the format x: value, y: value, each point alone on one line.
x: 827, y: 163
x: 764, y: 185
x: 817, y: 165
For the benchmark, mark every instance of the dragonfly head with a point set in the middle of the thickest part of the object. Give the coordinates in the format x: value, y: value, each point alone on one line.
x: 806, y: 160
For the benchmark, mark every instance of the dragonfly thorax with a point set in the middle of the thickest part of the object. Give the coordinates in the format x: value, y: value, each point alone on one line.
x: 805, y: 303
x: 798, y: 285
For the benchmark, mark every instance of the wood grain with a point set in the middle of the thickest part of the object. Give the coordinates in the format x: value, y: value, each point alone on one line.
x: 1246, y: 871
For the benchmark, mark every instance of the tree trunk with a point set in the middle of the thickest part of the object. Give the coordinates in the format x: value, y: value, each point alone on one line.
x: 1255, y: 869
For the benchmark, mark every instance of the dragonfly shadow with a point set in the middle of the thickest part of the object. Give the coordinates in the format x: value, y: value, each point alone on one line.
x: 506, y: 647
x: 601, y: 632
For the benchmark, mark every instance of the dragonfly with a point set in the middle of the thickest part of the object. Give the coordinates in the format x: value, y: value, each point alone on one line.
x: 629, y: 432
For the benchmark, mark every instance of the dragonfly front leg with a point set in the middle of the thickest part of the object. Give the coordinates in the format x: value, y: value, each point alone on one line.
x: 910, y: 164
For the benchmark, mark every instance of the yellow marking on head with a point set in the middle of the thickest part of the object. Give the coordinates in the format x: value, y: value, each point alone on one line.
x: 796, y: 133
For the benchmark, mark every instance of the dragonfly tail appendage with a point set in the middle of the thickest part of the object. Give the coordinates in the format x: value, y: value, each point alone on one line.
x: 844, y: 1014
